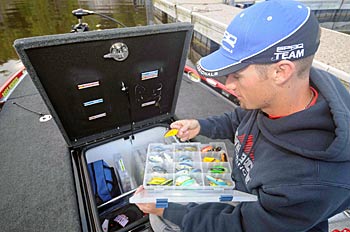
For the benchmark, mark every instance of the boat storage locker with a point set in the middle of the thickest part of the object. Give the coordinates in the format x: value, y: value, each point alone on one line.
x: 111, y: 93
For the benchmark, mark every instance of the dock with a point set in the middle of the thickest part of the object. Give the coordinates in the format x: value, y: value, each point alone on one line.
x: 211, y: 17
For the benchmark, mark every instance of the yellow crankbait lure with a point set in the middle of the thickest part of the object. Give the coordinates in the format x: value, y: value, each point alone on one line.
x: 171, y: 132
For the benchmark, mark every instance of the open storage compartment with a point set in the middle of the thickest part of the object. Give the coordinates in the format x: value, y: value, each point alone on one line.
x: 111, y: 93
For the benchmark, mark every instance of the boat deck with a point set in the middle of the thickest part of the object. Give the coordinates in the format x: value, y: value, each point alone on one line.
x: 37, y: 188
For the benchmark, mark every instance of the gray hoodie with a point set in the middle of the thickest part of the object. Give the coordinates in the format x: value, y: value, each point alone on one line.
x: 298, y: 166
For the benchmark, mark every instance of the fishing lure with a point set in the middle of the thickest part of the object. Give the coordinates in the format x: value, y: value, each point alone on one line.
x: 184, y: 181
x: 186, y: 148
x: 216, y: 181
x: 184, y: 165
x: 208, y: 159
x: 207, y: 148
x: 167, y: 157
x: 190, y: 148
x: 156, y: 181
x: 155, y: 159
x: 171, y: 132
x: 158, y: 149
x: 158, y: 169
x: 210, y: 148
x: 196, y: 170
x: 218, y: 169
x: 223, y: 157
x: 189, y: 182
x: 185, y: 158
x: 182, y: 171
x: 167, y: 182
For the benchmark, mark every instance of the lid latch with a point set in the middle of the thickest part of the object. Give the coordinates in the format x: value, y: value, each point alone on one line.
x: 162, y: 203
x: 226, y: 198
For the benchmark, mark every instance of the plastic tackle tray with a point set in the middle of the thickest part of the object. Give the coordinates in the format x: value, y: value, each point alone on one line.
x: 188, y: 172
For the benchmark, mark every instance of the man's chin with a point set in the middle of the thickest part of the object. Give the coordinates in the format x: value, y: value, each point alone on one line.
x: 245, y: 106
x: 242, y: 105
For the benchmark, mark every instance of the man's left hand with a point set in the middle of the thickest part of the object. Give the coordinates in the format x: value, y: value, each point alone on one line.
x: 149, y: 207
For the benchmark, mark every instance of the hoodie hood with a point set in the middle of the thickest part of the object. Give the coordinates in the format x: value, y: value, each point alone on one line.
x: 329, y: 131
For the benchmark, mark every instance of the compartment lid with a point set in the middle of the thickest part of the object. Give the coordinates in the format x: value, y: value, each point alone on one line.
x: 101, y: 83
x: 161, y: 198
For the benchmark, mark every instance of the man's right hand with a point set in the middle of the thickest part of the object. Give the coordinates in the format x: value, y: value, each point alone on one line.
x: 188, y: 128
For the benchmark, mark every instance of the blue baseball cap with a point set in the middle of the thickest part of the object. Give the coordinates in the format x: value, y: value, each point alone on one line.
x: 266, y: 32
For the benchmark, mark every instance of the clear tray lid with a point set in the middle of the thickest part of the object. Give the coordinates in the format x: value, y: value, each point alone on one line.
x: 161, y: 198
x: 100, y: 83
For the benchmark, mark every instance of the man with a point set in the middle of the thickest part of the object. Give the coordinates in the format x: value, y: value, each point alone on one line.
x: 291, y: 132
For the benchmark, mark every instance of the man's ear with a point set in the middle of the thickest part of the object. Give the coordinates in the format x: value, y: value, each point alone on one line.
x: 283, y: 71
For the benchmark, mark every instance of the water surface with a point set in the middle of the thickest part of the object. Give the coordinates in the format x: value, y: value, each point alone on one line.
x: 27, y: 18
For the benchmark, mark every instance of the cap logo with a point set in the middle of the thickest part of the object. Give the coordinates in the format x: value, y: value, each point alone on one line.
x: 295, y: 51
x: 230, y: 40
